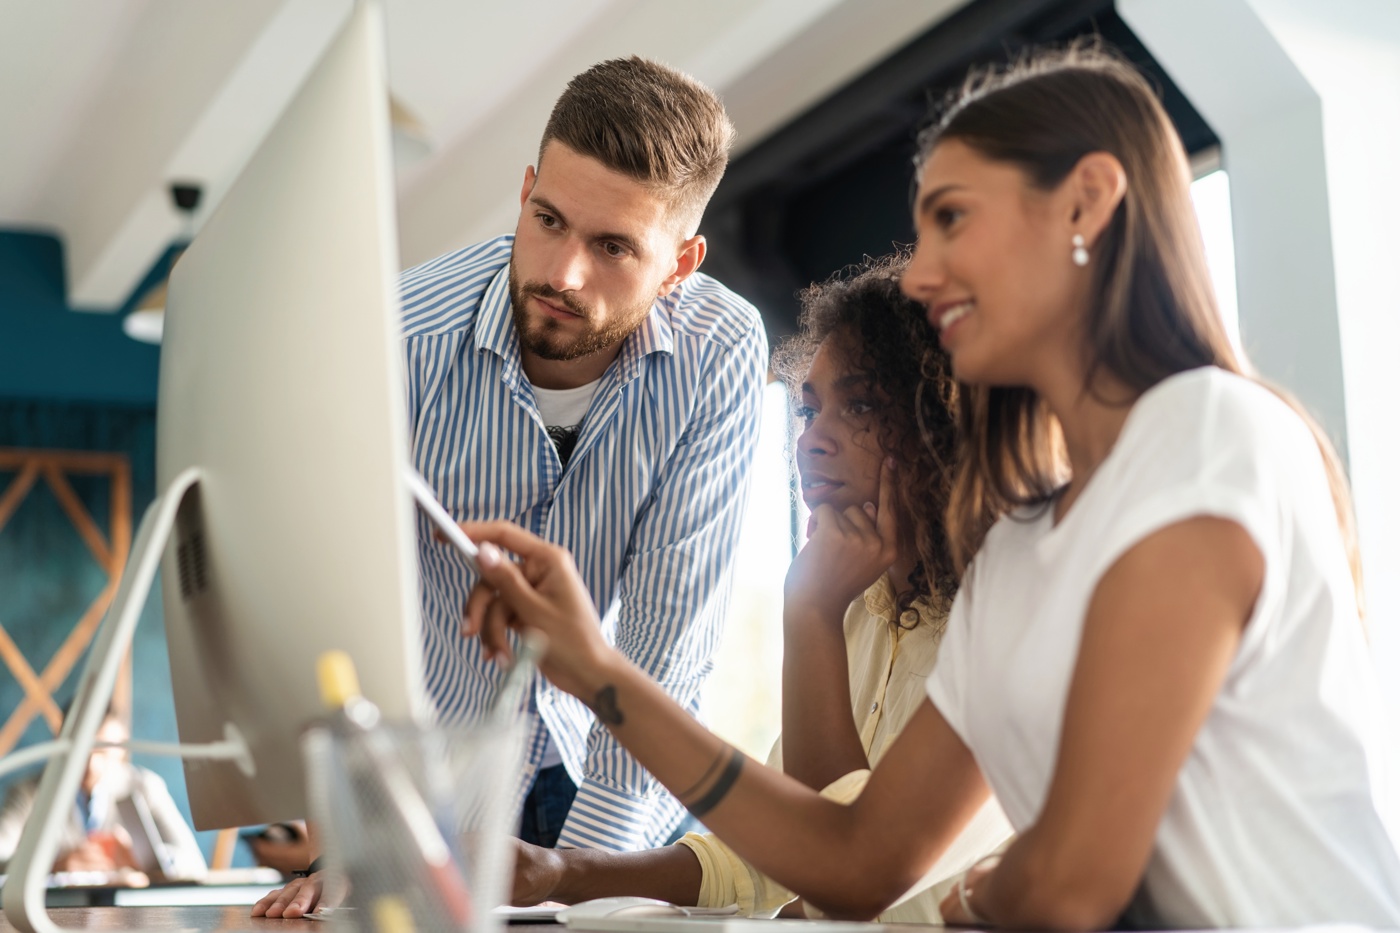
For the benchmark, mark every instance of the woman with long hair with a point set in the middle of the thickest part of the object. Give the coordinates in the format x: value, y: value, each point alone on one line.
x: 1156, y: 658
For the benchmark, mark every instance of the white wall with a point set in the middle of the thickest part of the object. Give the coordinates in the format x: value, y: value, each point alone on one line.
x: 1305, y: 96
x: 1349, y: 50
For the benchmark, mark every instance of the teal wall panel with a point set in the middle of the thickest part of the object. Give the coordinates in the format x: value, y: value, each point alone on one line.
x: 50, y: 352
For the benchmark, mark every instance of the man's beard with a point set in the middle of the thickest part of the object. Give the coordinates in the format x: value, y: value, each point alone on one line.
x: 547, y: 339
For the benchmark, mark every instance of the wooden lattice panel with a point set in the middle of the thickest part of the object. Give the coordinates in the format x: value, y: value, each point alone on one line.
x: 53, y: 467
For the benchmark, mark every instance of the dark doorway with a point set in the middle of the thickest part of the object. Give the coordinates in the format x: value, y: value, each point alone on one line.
x: 834, y: 184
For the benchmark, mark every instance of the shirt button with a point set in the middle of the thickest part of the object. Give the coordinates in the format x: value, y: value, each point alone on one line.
x: 874, y: 706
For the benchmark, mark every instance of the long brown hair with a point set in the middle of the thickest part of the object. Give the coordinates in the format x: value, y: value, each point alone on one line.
x: 881, y: 335
x: 1154, y: 311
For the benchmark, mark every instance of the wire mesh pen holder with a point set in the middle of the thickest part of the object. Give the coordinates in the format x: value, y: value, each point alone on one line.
x: 415, y: 823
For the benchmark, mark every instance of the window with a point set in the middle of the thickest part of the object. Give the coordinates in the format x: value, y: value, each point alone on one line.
x: 1211, y: 195
x: 743, y: 697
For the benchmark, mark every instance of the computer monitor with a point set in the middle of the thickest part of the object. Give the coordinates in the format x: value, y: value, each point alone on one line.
x: 284, y: 510
x: 281, y: 383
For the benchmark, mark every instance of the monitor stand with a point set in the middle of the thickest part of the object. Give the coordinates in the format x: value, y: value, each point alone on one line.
x: 28, y: 871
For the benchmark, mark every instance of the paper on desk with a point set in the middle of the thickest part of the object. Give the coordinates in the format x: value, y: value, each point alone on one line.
x: 541, y: 913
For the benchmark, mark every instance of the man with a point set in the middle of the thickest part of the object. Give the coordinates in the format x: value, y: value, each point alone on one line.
x: 117, y: 805
x: 584, y: 380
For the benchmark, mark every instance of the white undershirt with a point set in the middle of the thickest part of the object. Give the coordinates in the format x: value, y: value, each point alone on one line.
x: 565, y: 408
x: 1280, y: 815
x: 562, y: 408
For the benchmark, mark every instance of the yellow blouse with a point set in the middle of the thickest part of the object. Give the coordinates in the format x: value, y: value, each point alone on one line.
x: 889, y: 666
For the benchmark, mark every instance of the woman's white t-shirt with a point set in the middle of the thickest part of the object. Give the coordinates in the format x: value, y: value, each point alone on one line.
x: 1280, y: 814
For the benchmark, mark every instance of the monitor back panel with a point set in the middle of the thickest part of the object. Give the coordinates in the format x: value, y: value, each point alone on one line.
x: 281, y: 381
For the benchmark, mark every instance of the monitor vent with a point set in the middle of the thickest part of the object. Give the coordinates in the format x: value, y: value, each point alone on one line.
x: 194, y: 578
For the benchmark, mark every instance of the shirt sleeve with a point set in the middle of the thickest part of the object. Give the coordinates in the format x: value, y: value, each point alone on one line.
x: 674, y: 592
x: 1220, y: 446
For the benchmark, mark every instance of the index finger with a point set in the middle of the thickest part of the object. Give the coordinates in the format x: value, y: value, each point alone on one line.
x: 507, y: 535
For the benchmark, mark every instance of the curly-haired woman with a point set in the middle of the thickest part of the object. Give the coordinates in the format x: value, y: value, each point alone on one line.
x: 863, y: 611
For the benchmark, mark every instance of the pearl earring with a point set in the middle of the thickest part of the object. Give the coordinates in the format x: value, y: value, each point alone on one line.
x: 1080, y: 254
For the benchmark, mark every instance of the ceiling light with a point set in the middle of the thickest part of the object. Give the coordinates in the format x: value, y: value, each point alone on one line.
x: 147, y: 322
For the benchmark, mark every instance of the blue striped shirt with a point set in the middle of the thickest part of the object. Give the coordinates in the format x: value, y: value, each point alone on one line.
x: 649, y: 504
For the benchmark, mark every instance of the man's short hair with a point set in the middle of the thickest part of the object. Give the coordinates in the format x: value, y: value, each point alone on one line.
x: 648, y: 122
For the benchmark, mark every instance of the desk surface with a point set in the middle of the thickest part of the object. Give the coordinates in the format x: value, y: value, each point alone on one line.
x: 203, y: 919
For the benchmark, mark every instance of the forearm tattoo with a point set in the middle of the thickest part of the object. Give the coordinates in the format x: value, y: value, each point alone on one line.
x: 698, y: 799
x: 605, y: 707
x: 721, y: 786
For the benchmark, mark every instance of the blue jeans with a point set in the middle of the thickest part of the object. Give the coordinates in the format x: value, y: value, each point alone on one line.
x: 547, y: 807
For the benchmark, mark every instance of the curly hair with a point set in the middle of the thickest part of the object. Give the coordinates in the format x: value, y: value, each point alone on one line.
x: 883, y: 337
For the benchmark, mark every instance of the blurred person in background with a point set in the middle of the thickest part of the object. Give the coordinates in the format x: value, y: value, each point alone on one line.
x: 124, y: 827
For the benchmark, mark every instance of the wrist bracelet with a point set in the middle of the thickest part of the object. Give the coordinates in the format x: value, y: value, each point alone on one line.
x: 309, y: 870
x: 689, y: 791
x: 965, y: 901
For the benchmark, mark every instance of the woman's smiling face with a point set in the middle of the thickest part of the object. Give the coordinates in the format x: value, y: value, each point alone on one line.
x: 838, y: 454
x: 992, y: 266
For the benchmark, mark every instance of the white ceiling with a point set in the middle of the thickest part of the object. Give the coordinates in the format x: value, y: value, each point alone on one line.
x: 104, y: 102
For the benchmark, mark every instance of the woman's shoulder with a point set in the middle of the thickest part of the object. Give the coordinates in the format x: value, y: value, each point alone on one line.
x: 1213, y: 398
x: 1210, y: 412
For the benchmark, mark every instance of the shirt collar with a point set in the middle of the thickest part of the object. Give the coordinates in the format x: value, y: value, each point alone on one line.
x: 495, y: 325
x: 654, y: 335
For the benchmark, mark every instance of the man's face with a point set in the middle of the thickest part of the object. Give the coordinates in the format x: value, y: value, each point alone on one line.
x: 104, y: 761
x: 593, y: 250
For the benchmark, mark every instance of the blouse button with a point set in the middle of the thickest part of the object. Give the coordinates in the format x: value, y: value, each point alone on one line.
x: 874, y: 706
